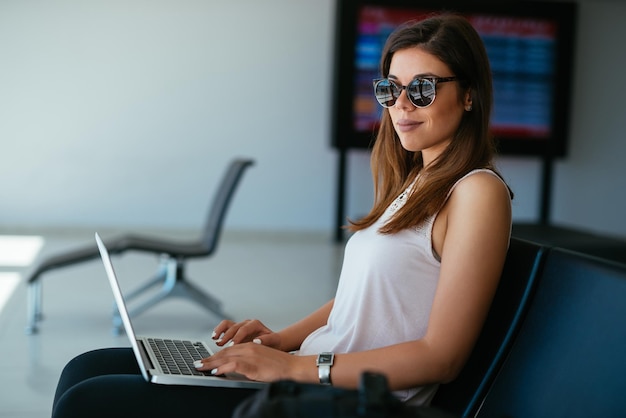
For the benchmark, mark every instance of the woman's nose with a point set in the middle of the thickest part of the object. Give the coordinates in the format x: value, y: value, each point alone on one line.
x: 403, y: 102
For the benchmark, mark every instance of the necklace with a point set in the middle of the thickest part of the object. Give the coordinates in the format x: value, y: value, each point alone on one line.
x: 401, y: 199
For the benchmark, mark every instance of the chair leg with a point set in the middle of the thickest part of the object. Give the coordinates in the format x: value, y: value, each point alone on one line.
x: 179, y: 286
x: 171, y: 274
x: 159, y: 277
x: 117, y: 320
x: 34, y: 313
x: 187, y: 290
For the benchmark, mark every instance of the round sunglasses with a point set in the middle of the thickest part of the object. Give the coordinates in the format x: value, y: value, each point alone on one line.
x: 421, y: 91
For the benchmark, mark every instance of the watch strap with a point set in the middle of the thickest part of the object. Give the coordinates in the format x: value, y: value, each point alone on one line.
x: 324, y: 363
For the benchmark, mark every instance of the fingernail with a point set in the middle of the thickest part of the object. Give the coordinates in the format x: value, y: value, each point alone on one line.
x: 219, y: 340
x: 213, y: 334
x: 214, y: 371
x: 197, y: 364
x: 256, y: 341
x: 230, y: 343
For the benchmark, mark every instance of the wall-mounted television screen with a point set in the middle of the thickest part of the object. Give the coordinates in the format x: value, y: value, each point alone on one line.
x: 530, y: 47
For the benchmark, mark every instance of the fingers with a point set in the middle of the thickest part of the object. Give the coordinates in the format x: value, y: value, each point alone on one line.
x: 248, y: 331
x: 244, y: 359
x: 229, y: 333
x: 220, y: 330
x: 225, y: 361
x: 269, y: 340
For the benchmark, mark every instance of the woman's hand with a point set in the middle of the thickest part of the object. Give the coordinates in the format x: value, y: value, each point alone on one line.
x: 250, y: 330
x: 256, y: 362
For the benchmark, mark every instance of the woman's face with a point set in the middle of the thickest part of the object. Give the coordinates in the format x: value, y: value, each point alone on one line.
x: 428, y: 129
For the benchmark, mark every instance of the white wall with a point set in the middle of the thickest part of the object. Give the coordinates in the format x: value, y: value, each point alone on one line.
x: 124, y: 114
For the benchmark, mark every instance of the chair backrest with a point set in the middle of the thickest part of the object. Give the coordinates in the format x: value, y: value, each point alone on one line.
x: 522, y: 265
x: 569, y: 358
x: 221, y: 201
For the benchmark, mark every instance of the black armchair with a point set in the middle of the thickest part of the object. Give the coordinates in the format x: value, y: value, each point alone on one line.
x: 171, y: 272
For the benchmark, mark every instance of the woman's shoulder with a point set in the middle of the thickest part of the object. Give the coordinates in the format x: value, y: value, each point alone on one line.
x: 481, y: 173
x: 480, y: 202
x: 481, y: 178
x: 481, y: 184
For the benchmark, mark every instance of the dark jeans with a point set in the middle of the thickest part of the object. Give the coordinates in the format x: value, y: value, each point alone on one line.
x: 107, y: 383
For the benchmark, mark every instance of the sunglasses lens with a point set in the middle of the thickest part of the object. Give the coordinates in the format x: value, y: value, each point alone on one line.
x: 421, y: 92
x: 385, y: 92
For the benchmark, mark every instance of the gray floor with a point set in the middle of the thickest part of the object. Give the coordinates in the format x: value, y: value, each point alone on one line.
x: 277, y: 278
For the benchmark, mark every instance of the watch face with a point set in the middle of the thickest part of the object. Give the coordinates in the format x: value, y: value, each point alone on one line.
x: 325, y: 358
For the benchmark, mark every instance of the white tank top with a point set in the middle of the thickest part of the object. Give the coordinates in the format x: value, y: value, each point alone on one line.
x: 385, y: 293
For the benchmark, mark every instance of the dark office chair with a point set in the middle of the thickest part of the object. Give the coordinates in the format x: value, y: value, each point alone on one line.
x: 568, y: 358
x: 463, y: 396
x: 173, y: 255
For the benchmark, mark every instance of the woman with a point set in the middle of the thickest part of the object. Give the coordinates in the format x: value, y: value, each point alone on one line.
x: 419, y: 271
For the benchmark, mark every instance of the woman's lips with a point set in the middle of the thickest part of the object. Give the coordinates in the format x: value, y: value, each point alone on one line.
x: 405, y: 125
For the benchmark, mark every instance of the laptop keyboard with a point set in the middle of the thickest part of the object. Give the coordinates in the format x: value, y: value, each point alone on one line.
x: 177, y: 356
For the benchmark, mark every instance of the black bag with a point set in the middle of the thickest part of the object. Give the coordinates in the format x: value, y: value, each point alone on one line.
x: 289, y: 399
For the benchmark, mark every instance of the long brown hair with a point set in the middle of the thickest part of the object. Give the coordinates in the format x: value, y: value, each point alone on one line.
x: 456, y: 43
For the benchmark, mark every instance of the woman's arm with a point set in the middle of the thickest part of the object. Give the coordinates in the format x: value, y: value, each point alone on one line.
x: 288, y: 339
x: 472, y: 239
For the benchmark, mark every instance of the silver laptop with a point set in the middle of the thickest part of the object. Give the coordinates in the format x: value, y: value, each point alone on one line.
x: 167, y: 361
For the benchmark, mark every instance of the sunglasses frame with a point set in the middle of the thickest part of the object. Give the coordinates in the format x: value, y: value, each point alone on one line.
x: 433, y: 80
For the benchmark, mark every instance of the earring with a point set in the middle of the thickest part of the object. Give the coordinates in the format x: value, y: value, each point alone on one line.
x: 468, y: 108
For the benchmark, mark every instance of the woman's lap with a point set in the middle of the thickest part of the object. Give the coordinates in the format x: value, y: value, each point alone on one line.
x: 107, y: 383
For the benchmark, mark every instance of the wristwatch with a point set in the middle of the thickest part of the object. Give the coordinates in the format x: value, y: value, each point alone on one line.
x: 324, y: 362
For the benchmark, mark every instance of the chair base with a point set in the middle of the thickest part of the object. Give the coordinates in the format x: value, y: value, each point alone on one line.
x: 170, y: 276
x: 174, y: 284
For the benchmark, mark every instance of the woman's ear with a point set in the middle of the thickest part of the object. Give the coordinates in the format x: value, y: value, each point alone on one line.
x: 468, y: 100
